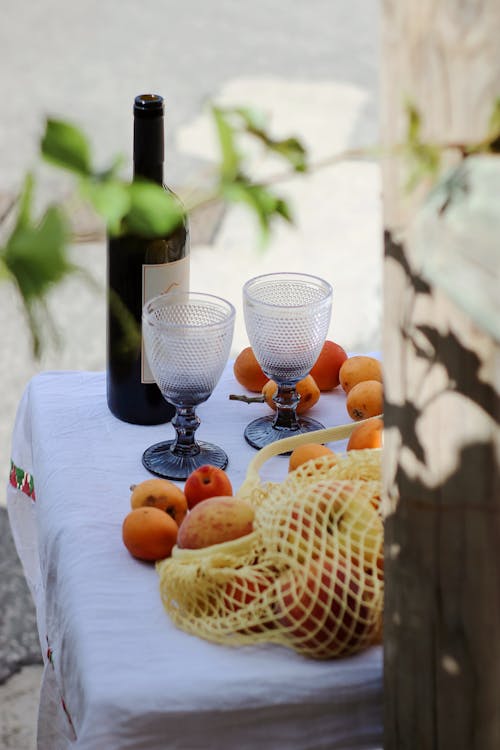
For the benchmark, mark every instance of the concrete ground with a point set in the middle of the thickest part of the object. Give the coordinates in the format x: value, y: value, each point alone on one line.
x: 311, y: 66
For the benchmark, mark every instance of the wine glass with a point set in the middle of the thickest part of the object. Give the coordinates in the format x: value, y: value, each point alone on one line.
x: 287, y: 317
x: 187, y: 337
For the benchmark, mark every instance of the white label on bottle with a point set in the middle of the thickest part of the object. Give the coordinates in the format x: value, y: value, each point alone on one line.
x: 158, y: 278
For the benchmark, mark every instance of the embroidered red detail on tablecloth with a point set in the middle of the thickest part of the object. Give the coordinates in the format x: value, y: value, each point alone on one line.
x: 22, y: 480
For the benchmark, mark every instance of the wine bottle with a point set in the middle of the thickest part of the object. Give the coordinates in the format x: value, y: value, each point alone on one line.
x: 139, y: 268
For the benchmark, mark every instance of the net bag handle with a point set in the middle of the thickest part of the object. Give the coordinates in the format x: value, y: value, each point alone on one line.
x: 327, y: 435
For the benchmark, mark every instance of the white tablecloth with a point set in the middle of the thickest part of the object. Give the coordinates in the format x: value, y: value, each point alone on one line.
x: 117, y: 673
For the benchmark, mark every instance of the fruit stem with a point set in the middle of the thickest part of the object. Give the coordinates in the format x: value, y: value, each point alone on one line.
x: 247, y: 399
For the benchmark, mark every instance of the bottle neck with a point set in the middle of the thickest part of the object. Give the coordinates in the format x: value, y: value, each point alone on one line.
x: 153, y: 172
x: 149, y: 146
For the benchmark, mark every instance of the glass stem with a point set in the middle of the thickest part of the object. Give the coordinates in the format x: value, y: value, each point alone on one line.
x: 186, y: 423
x: 286, y: 399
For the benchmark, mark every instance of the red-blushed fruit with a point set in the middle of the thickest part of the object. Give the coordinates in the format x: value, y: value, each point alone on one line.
x: 240, y: 592
x: 321, y: 610
x: 325, y: 370
x: 215, y: 520
x: 204, y: 482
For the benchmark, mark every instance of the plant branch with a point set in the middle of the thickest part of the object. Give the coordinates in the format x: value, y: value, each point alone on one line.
x: 247, y: 399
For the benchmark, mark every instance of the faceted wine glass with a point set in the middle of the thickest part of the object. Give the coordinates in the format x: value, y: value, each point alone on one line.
x: 187, y: 338
x: 287, y: 317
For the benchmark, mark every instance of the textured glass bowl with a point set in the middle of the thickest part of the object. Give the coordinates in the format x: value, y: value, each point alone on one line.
x: 187, y: 337
x: 287, y: 316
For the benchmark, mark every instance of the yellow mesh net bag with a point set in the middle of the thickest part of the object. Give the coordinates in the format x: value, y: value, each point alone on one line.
x: 309, y: 576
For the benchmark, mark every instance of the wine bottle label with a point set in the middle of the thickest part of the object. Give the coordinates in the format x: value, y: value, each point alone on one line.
x: 158, y: 278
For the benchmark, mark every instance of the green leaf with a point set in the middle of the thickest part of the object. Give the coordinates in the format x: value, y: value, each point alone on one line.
x: 283, y: 210
x: 290, y: 149
x: 264, y: 204
x: 423, y: 159
x: 36, y: 254
x: 153, y: 210
x: 414, y: 123
x: 66, y: 146
x: 35, y: 258
x: 253, y: 118
x: 293, y: 151
x: 111, y: 199
x: 494, y: 128
x: 494, y: 123
x: 111, y: 173
x: 26, y: 201
x: 231, y: 158
x: 5, y: 274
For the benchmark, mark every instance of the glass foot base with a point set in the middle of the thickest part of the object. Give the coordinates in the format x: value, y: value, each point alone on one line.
x: 261, y: 432
x: 160, y: 460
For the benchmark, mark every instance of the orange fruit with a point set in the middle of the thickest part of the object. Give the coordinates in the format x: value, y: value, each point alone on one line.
x: 162, y: 494
x: 366, y: 399
x: 149, y: 533
x: 248, y: 372
x: 305, y: 452
x: 356, y: 369
x: 327, y: 367
x: 307, y: 389
x: 369, y: 434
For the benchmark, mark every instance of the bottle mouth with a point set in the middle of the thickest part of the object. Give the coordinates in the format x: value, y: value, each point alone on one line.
x: 148, y: 105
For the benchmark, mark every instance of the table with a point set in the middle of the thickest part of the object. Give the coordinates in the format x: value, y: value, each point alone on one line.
x: 117, y: 673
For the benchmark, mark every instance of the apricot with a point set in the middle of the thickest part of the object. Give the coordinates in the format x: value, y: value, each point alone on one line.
x: 204, y: 482
x: 366, y: 399
x: 248, y: 372
x: 307, y: 390
x: 356, y: 369
x: 215, y: 520
x: 326, y: 369
x: 149, y: 533
x: 161, y: 494
x: 369, y: 434
x: 305, y: 452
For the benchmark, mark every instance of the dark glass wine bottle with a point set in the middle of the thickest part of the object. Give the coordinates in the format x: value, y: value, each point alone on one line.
x: 140, y: 268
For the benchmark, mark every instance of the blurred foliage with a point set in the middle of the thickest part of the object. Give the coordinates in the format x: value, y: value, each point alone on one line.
x: 234, y: 183
x: 34, y: 258
x: 423, y: 159
x: 34, y: 255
